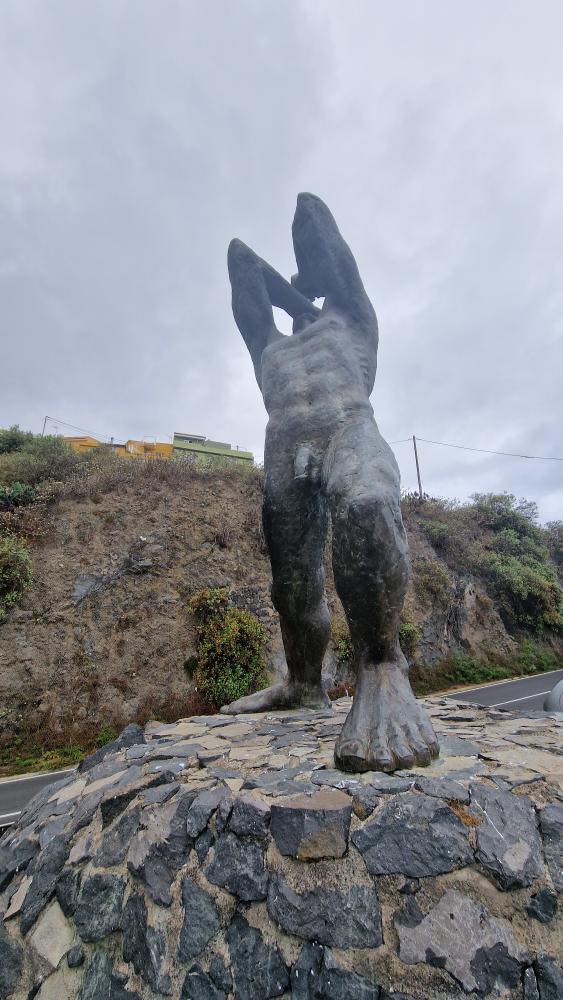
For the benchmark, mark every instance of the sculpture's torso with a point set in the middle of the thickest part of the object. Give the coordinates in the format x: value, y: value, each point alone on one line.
x: 318, y: 379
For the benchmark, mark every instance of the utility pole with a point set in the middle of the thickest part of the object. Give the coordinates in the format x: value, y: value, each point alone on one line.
x: 44, y: 425
x: 417, y: 468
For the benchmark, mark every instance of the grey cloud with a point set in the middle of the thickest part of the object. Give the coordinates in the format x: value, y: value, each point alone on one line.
x: 138, y: 138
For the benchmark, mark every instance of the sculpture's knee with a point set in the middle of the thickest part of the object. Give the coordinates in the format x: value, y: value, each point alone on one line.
x: 374, y: 517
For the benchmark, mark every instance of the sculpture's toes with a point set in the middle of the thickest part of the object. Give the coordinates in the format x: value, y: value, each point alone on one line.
x: 350, y: 754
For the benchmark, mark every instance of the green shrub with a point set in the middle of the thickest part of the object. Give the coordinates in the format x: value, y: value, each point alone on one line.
x: 431, y: 581
x: 106, y: 735
x: 13, y: 439
x: 15, y: 572
x: 439, y: 534
x: 342, y: 640
x: 231, y: 644
x: 526, y: 589
x: 38, y: 460
x: 16, y: 495
x: 554, y: 540
x: 409, y: 636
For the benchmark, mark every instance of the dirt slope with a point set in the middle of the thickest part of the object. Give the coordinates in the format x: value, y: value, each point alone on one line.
x: 103, y: 635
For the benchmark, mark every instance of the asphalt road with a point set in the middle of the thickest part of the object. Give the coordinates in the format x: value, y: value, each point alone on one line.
x: 15, y: 792
x: 525, y: 692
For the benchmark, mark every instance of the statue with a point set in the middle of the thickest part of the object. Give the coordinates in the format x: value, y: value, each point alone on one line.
x: 325, y: 458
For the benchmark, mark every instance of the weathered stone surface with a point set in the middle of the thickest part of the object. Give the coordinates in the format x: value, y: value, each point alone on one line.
x: 201, y: 920
x: 414, y: 835
x: 348, y: 918
x: 249, y: 818
x: 144, y: 946
x: 157, y: 852
x: 239, y: 867
x: 542, y: 906
x: 11, y: 962
x: 202, y: 808
x: 115, y: 841
x: 389, y: 784
x: 460, y: 936
x: 530, y: 986
x: 46, y: 870
x: 508, y: 841
x: 443, y: 788
x: 551, y: 826
x: 198, y: 985
x: 258, y: 968
x: 52, y: 935
x: 98, y: 908
x: 549, y: 977
x: 203, y: 845
x: 310, y: 827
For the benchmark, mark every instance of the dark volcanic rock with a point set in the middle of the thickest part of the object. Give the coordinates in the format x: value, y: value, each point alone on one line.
x: 493, y: 967
x: 551, y: 826
x: 115, y: 841
x: 220, y: 974
x: 15, y: 856
x: 340, y: 984
x: 68, y: 889
x: 258, y: 968
x: 249, y: 818
x: 198, y: 985
x: 549, y: 976
x: 144, y: 946
x: 349, y: 918
x: 203, y: 845
x: 443, y: 788
x: 11, y: 961
x: 530, y: 986
x: 239, y: 867
x: 414, y: 835
x: 46, y: 870
x: 132, y: 735
x: 75, y: 957
x: 201, y: 920
x: 306, y: 972
x: 98, y: 908
x: 542, y: 906
x: 508, y: 841
x: 157, y: 852
x: 101, y: 983
x: 311, y: 827
x: 202, y: 808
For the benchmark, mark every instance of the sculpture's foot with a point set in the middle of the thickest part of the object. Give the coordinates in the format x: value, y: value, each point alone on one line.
x: 386, y: 727
x: 283, y: 695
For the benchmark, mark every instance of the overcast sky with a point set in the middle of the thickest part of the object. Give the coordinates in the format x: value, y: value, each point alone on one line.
x: 138, y: 137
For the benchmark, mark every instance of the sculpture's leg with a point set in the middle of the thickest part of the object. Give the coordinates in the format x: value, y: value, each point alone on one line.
x: 386, y: 727
x: 295, y: 525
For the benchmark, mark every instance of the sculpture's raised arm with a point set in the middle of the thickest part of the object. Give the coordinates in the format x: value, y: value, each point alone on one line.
x: 326, y: 263
x: 256, y: 287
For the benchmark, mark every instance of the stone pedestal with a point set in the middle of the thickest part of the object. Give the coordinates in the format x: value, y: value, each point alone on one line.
x: 219, y: 858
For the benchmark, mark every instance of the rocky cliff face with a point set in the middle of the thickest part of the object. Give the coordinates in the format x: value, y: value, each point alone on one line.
x: 102, y: 637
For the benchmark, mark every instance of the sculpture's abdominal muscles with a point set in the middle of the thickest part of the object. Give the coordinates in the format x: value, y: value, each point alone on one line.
x: 314, y: 380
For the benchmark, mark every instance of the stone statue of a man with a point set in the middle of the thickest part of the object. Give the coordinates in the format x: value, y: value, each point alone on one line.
x: 325, y: 458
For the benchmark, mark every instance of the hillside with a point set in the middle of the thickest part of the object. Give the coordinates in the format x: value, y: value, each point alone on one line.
x: 103, y: 635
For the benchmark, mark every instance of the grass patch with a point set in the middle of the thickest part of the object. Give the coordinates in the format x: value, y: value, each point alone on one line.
x: 459, y: 669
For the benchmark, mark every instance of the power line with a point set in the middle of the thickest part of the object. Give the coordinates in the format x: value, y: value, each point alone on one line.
x: 487, y: 451
x: 74, y: 427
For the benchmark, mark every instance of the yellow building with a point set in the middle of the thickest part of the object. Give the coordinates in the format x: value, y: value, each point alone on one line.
x: 128, y: 449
